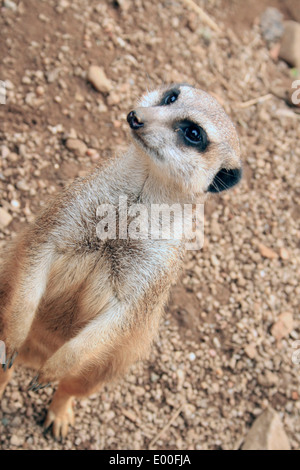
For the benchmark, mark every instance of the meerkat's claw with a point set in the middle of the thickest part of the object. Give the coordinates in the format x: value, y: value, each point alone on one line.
x: 34, y: 385
x: 12, y: 359
x: 9, y: 361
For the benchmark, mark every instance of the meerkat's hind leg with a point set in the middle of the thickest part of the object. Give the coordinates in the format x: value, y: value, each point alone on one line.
x: 60, y: 414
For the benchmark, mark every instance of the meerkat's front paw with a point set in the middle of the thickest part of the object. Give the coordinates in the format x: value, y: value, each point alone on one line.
x: 59, y: 417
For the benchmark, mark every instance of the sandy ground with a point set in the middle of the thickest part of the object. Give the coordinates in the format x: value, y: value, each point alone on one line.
x: 219, y: 360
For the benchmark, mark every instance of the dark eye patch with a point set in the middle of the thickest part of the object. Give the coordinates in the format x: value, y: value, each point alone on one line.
x: 170, y: 97
x: 192, y: 135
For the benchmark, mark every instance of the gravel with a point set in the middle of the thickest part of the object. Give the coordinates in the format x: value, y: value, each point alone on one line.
x: 219, y: 360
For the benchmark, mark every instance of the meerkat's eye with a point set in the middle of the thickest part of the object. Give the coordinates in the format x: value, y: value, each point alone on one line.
x: 170, y: 97
x: 193, y: 135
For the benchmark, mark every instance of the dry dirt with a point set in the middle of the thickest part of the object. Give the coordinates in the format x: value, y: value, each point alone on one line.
x: 217, y: 363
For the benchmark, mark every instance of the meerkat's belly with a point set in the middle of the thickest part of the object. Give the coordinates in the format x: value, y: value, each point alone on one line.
x: 63, y: 310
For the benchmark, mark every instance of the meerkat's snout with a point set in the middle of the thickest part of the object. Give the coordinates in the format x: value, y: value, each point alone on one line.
x: 187, y: 135
x: 134, y: 120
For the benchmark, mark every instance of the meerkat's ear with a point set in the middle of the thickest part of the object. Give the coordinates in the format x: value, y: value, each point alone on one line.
x: 225, y: 179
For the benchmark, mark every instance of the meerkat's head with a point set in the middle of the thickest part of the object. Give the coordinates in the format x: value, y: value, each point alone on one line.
x: 187, y: 137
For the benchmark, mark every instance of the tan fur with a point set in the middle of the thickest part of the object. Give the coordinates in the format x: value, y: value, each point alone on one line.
x: 80, y: 310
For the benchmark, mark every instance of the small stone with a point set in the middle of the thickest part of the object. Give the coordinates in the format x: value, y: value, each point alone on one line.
x: 113, y: 99
x: 43, y: 18
x: 13, y: 157
x: 52, y: 75
x: 215, y: 261
x: 40, y: 90
x: 10, y: 5
x: 283, y: 327
x: 290, y: 50
x: 9, y: 85
x: 102, y: 108
x: 192, y: 22
x: 250, y: 351
x: 79, y: 98
x: 93, y: 154
x: 76, y: 146
x: 15, y: 204
x: 117, y: 124
x: 130, y: 415
x: 22, y: 185
x: 267, y: 433
x: 5, y: 218
x: 180, y: 376
x: 96, y: 76
x: 63, y: 4
x: 284, y: 254
x: 16, y: 440
x: 30, y: 99
x: 26, y: 80
x: 4, y: 151
x: 268, y: 379
x: 95, y: 157
x: 267, y: 252
x: 271, y: 24
x: 72, y: 134
x: 123, y: 4
x: 90, y: 152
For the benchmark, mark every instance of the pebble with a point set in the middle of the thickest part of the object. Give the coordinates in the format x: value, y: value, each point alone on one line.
x: 250, y: 350
x: 4, y: 151
x: 40, y: 90
x: 15, y: 204
x: 267, y: 252
x: 93, y: 153
x: 271, y: 24
x: 22, y: 185
x: 76, y: 146
x: 284, y: 254
x: 113, y: 99
x: 9, y: 85
x: 10, y: 5
x: 283, y: 327
x: 267, y: 433
x: 26, y: 80
x: 96, y: 76
x: 17, y: 440
x: 52, y: 75
x: 102, y: 108
x: 268, y: 379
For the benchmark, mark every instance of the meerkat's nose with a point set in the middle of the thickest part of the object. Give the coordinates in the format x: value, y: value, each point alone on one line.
x: 134, y: 120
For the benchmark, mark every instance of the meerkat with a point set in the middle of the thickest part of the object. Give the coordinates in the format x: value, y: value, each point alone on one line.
x: 80, y: 309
